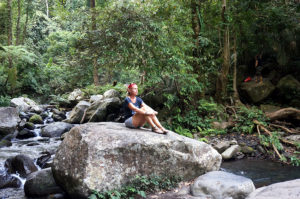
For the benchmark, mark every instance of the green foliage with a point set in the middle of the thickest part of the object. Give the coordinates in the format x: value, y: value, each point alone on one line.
x: 245, y: 117
x: 94, y: 90
x: 183, y: 131
x: 193, y: 119
x: 138, y: 187
x: 295, y: 161
x: 4, y: 101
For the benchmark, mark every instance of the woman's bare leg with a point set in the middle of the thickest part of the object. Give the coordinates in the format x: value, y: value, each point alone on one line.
x: 156, y: 121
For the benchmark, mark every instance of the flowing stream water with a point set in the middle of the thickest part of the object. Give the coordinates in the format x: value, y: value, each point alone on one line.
x: 262, y: 172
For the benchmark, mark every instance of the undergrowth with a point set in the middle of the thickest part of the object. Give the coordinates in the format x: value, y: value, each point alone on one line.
x: 140, y: 185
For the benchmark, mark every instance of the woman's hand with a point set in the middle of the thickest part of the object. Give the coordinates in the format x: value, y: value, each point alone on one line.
x: 151, y: 113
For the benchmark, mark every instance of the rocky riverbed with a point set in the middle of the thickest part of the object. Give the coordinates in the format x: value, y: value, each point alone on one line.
x: 32, y: 137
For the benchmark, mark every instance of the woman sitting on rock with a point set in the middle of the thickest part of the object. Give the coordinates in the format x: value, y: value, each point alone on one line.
x: 137, y: 113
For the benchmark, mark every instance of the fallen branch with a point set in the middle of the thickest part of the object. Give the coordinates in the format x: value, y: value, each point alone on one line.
x: 284, y: 128
x: 288, y: 142
x: 284, y: 113
x: 269, y: 133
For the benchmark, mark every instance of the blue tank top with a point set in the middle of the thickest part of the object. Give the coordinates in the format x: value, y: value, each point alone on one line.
x: 127, y: 111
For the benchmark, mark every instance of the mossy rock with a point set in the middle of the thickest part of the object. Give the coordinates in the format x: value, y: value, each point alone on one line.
x: 29, y: 125
x: 36, y: 119
x: 247, y: 149
x: 5, y: 143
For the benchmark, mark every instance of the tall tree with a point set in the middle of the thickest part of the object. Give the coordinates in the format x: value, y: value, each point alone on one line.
x: 26, y: 22
x: 9, y: 23
x: 18, y: 23
x: 47, y: 8
x: 223, y: 75
x: 93, y: 28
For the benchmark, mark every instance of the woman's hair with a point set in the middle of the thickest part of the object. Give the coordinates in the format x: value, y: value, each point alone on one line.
x: 130, y: 86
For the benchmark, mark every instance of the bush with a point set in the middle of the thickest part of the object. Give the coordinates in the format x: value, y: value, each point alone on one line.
x: 139, y: 186
x: 245, y: 117
x: 4, y: 101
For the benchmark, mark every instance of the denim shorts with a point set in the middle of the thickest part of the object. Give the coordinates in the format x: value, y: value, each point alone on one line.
x: 128, y: 123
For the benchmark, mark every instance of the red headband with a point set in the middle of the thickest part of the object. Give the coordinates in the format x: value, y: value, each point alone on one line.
x: 131, y: 85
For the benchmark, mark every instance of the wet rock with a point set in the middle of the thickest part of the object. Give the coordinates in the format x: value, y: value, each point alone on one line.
x: 220, y: 185
x: 7, y: 180
x: 5, y: 143
x: 41, y: 183
x: 21, y: 124
x: 56, y: 129
x: 22, y: 164
x: 36, y: 119
x: 288, y: 189
x: 41, y: 161
x: 29, y: 125
x: 111, y: 93
x: 44, y: 115
x: 9, y: 119
x: 58, y: 118
x: 230, y: 152
x: 107, y: 155
x: 25, y: 133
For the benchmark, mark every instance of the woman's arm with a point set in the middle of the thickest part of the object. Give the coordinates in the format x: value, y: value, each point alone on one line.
x: 149, y: 109
x: 136, y: 109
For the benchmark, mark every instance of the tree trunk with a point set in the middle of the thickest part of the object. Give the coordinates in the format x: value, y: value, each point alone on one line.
x: 18, y: 23
x: 25, y: 25
x: 9, y: 31
x: 236, y: 97
x: 285, y: 113
x: 222, y: 78
x: 196, y: 26
x: 95, y: 72
x: 47, y: 8
x: 9, y: 23
x: 95, y: 65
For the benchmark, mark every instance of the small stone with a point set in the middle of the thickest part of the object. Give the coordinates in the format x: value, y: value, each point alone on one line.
x: 247, y: 149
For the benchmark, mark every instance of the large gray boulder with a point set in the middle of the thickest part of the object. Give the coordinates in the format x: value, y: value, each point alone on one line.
x: 56, y: 129
x: 99, y: 110
x: 41, y: 183
x: 286, y: 190
x: 76, y: 95
x: 9, y: 118
x: 104, y: 156
x: 257, y: 92
x: 221, y: 185
x: 25, y: 104
x: 289, y: 87
x: 111, y: 93
x: 78, y: 112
